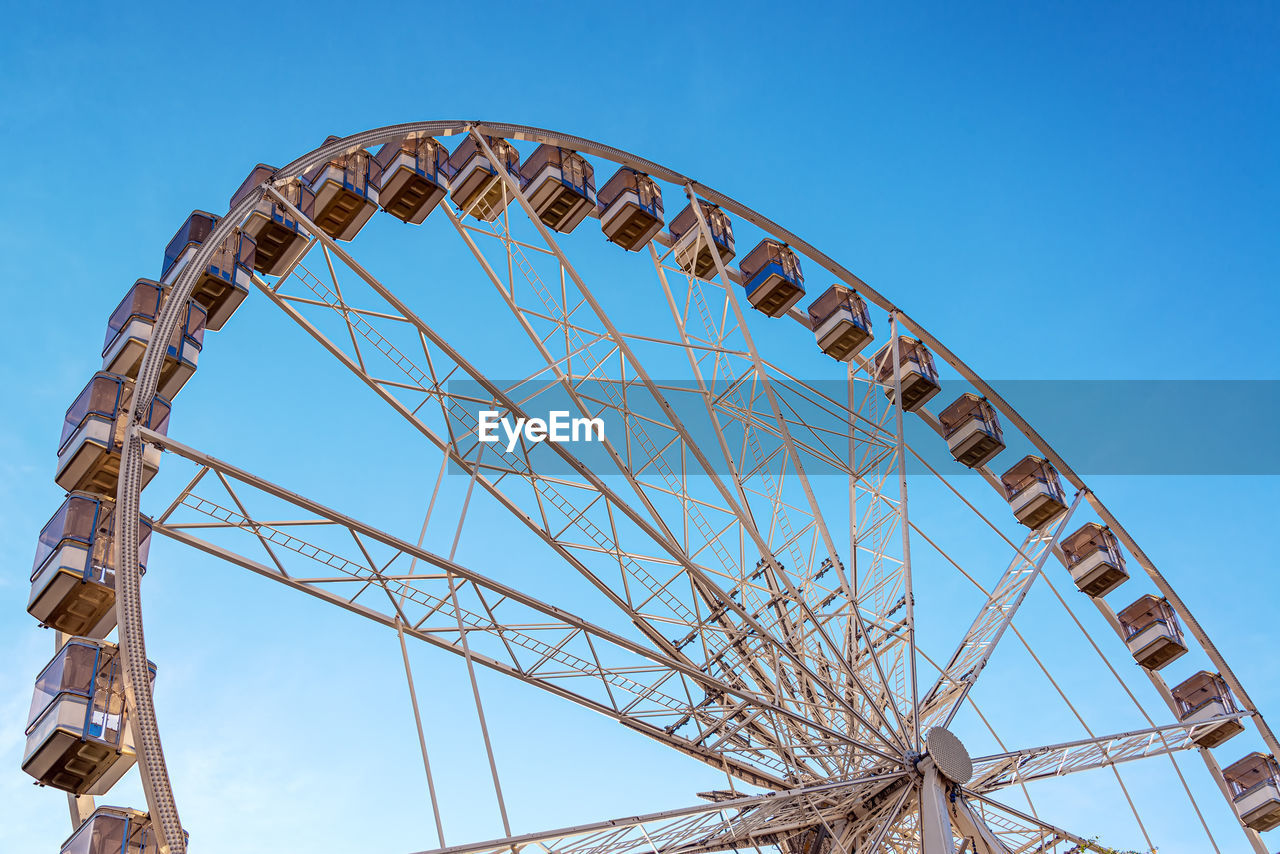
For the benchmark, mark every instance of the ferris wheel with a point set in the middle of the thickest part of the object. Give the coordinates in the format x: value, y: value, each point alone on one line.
x: 759, y: 580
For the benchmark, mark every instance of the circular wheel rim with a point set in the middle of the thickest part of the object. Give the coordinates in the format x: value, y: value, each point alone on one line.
x: 132, y: 640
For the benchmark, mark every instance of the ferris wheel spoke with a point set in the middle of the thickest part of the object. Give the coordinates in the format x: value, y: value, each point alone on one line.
x: 766, y: 385
x: 866, y: 430
x: 869, y: 831
x: 516, y: 634
x: 566, y: 380
x: 879, y: 572
x: 796, y: 424
x: 800, y: 671
x: 939, y: 706
x: 521, y: 464
x: 905, y: 833
x: 1066, y: 700
x: 858, y: 631
x: 402, y: 362
x: 1109, y: 616
x: 1005, y: 769
x: 778, y: 819
x: 740, y: 477
x: 904, y: 529
x: 1001, y: 828
x: 694, y: 512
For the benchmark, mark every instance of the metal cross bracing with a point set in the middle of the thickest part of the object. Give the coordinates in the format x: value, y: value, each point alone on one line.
x: 1108, y: 614
x: 873, y: 455
x: 636, y: 426
x: 940, y: 704
x: 763, y: 646
x: 784, y: 819
x: 515, y: 625
x: 509, y: 631
x: 778, y: 424
x: 885, y: 577
x: 723, y: 652
x: 437, y: 390
x: 717, y: 327
x: 401, y: 360
x: 992, y: 828
x: 781, y: 587
x: 998, y: 771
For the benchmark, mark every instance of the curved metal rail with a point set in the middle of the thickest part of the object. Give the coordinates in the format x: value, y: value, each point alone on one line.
x: 138, y: 692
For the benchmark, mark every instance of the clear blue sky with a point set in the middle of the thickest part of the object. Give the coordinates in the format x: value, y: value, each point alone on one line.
x: 1067, y: 191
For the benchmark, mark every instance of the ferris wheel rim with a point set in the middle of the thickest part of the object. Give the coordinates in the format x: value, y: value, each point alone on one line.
x: 132, y: 638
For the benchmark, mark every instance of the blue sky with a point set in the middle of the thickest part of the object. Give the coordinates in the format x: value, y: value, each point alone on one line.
x: 1061, y: 192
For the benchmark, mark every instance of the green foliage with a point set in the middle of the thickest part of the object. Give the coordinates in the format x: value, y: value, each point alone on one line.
x: 1095, y: 845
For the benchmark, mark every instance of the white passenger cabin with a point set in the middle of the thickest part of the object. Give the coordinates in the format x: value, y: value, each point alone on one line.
x: 224, y: 282
x: 772, y: 278
x: 413, y: 177
x: 841, y: 323
x: 78, y: 734
x: 345, y: 194
x: 919, y: 376
x: 476, y: 187
x: 630, y: 208
x: 1254, y: 783
x: 1034, y: 492
x: 972, y: 430
x: 1152, y: 632
x: 690, y: 250
x: 93, y: 436
x: 115, y: 830
x: 129, y: 333
x: 73, y: 575
x: 278, y: 236
x: 1094, y: 559
x: 1203, y: 697
x: 560, y: 185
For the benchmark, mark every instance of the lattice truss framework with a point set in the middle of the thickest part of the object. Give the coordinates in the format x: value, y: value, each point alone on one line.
x: 752, y: 640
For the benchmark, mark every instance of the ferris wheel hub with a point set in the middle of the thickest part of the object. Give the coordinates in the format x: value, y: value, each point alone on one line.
x: 950, y: 755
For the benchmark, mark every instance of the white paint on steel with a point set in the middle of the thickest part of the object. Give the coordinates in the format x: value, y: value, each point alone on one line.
x: 138, y: 694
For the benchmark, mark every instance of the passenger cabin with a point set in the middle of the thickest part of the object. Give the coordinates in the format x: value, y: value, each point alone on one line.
x: 73, y: 576
x: 1094, y: 560
x: 630, y: 208
x: 1152, y: 632
x: 413, y: 176
x: 1034, y: 492
x: 476, y: 186
x: 841, y: 323
x: 279, y: 237
x: 919, y: 376
x: 93, y: 436
x: 224, y: 282
x: 560, y: 185
x: 1254, y: 784
x: 690, y: 250
x: 771, y: 277
x: 1203, y: 697
x: 129, y: 332
x: 115, y: 830
x: 345, y: 193
x: 78, y: 734
x: 972, y: 430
